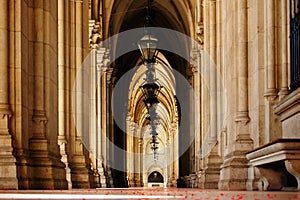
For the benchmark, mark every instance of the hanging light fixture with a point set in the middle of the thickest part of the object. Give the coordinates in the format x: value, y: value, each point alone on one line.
x: 148, y: 48
x: 150, y: 92
x: 148, y: 43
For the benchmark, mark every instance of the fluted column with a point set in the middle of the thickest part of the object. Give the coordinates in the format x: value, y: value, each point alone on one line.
x: 8, y: 171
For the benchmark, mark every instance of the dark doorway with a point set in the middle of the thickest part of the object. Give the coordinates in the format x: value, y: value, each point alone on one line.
x: 155, y: 177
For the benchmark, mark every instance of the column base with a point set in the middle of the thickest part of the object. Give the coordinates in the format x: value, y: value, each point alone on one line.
x: 47, y: 170
x: 22, y: 168
x: 102, y: 177
x: 64, y: 158
x: 96, y: 180
x: 172, y: 181
x: 212, y: 172
x: 80, y: 173
x: 8, y: 168
x: 234, y: 173
x: 201, y: 178
x: 109, y: 178
x: 130, y: 180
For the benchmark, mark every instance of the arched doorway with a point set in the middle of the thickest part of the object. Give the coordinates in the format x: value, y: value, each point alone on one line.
x: 155, y: 179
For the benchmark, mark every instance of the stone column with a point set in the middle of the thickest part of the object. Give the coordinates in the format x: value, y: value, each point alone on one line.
x: 62, y: 87
x: 109, y: 125
x: 205, y: 81
x: 93, y: 134
x: 101, y: 132
x: 79, y: 163
x: 138, y: 156
x: 175, y: 149
x: 192, y: 125
x: 212, y: 73
x: 212, y: 169
x: 169, y: 156
x: 283, y: 43
x: 135, y: 158
x: 141, y: 144
x: 103, y: 114
x: 47, y: 170
x: 197, y: 90
x: 206, y: 25
x: 8, y: 170
x: 130, y: 159
x: 234, y: 171
x: 272, y: 130
x: 242, y: 65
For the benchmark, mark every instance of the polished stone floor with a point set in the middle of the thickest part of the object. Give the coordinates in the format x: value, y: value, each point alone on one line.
x: 154, y: 193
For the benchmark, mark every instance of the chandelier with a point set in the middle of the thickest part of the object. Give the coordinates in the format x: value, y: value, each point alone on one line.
x: 148, y: 48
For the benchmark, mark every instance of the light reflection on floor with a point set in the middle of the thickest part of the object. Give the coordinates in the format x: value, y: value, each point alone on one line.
x: 141, y: 193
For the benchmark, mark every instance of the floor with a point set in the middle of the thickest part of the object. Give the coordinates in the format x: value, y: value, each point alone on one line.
x: 141, y: 193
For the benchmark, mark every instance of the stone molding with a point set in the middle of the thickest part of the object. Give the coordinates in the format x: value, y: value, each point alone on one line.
x: 288, y: 106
